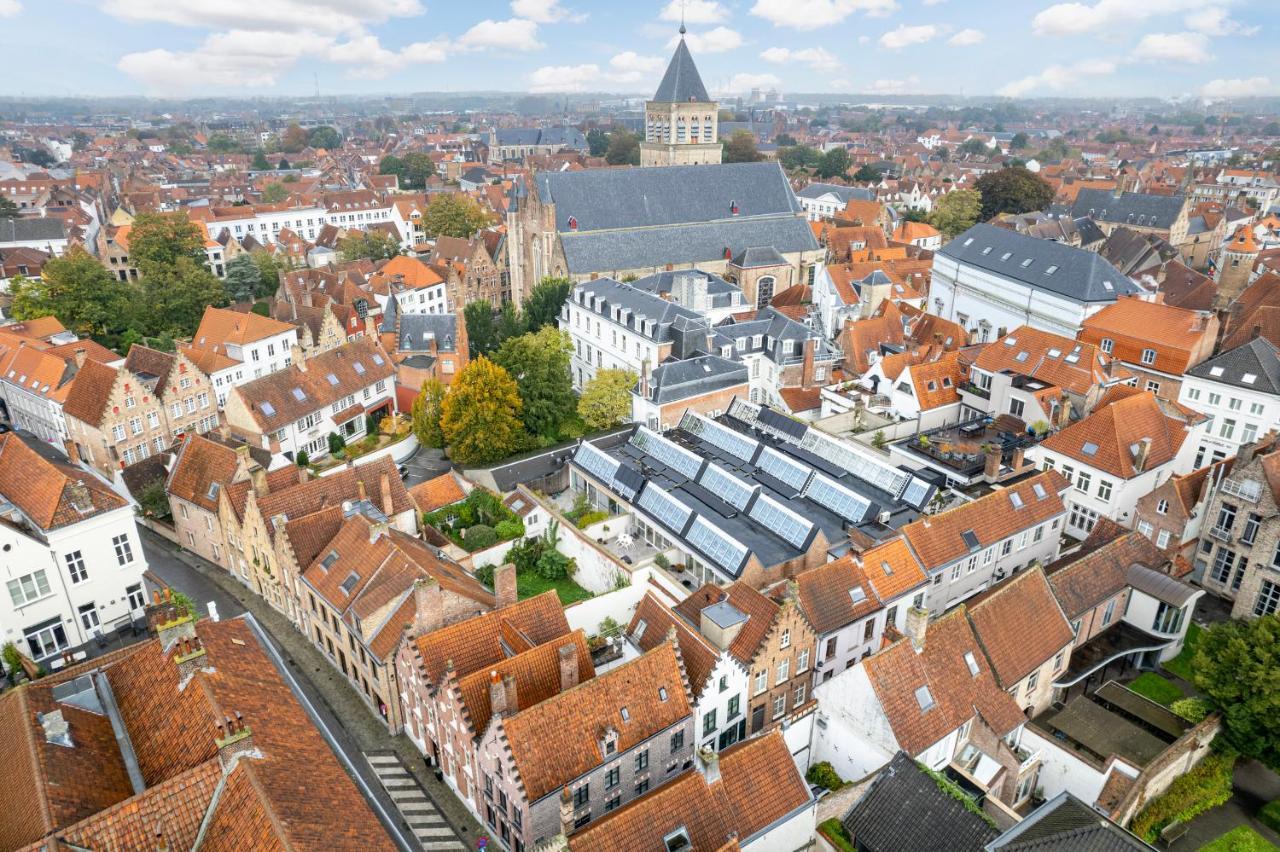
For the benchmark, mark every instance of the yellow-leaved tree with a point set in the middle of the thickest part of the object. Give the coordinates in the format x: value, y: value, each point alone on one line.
x: 480, y: 416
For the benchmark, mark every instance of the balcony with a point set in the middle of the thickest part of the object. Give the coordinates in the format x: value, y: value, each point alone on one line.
x: 1221, y: 533
x: 970, y: 387
x: 1245, y: 489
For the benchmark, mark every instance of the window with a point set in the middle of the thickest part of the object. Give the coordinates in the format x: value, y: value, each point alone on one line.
x: 677, y: 741
x: 642, y: 786
x: 1109, y: 613
x: 784, y: 670
x: 798, y: 698
x: 582, y: 795
x: 1084, y: 481
x: 1145, y: 528
x: 1104, y: 489
x: 75, y: 566
x: 1153, y: 386
x: 45, y: 640
x: 612, y: 778
x: 1268, y: 599
x: 708, y: 722
x: 1223, y: 561
x: 1162, y: 508
x: 29, y: 587
x: 1148, y: 356
x: 1168, y: 619
x: 124, y: 550
x: 786, y: 639
x: 1032, y: 681
x: 780, y: 706
x: 1016, y: 407
x: 1251, y: 525
x: 117, y: 432
x: 137, y: 600
x: 153, y: 419
x: 135, y: 425
x: 1108, y: 345
x: 642, y: 761
x: 734, y: 708
x: 762, y: 682
x: 1058, y: 661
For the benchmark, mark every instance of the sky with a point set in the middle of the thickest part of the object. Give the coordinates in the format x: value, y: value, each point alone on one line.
x: 1017, y: 48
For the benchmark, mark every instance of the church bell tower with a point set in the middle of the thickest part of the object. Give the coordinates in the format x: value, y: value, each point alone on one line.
x: 681, y: 121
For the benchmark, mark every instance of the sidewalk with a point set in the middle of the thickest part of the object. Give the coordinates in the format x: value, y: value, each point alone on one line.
x: 327, y: 686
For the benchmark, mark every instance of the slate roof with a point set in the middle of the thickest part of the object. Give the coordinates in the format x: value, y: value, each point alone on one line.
x: 1259, y: 359
x: 26, y: 230
x: 1066, y: 824
x: 904, y: 810
x: 1130, y: 208
x: 639, y: 303
x: 414, y: 329
x: 843, y: 193
x: 719, y: 291
x: 757, y: 256
x: 565, y: 137
x: 681, y: 83
x: 1080, y: 275
x: 702, y: 374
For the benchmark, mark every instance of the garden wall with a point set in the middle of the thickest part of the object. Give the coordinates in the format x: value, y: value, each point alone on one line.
x: 1176, y: 760
x: 399, y: 451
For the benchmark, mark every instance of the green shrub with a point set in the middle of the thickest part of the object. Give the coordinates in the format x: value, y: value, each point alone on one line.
x: 507, y: 530
x: 1206, y: 786
x: 554, y: 565
x: 303, y: 458
x: 1270, y: 815
x: 587, y: 519
x: 153, y: 500
x: 662, y: 561
x: 1192, y: 709
x: 12, y: 658
x: 337, y: 443
x: 833, y: 830
x: 1242, y: 838
x: 479, y: 536
x: 824, y: 775
x: 485, y: 575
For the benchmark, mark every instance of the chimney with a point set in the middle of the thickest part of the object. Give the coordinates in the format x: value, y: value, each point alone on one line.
x: 56, y: 729
x: 806, y: 370
x: 916, y: 625
x: 233, y: 739
x: 1142, y: 449
x: 170, y: 620
x: 361, y: 493
x: 258, y: 479
x: 428, y: 606
x: 504, y: 585
x: 1255, y: 332
x: 991, y: 465
x: 566, y: 812
x: 388, y: 505
x: 303, y: 476
x: 497, y: 695
x: 513, y: 699
x: 568, y: 666
x: 1019, y: 455
x: 189, y: 657
x: 73, y: 451
x: 709, y: 763
x: 377, y: 529
x: 299, y: 360
x: 80, y: 354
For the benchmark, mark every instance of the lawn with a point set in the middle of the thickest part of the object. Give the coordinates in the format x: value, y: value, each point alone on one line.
x: 1239, y: 839
x: 529, y: 584
x: 1181, y: 664
x: 1156, y: 688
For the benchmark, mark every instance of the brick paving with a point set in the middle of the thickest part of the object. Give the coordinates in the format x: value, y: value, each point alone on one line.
x: 326, y: 685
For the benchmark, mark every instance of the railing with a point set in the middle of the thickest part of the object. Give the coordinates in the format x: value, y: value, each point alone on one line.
x: 1247, y: 489
x: 970, y: 387
x: 1033, y: 757
x: 1221, y: 533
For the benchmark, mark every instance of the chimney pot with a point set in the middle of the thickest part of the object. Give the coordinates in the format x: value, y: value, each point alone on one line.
x: 917, y: 624
x: 504, y: 585
x: 497, y: 695
x: 568, y: 667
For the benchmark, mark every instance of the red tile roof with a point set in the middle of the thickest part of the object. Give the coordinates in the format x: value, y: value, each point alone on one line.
x: 1020, y: 625
x: 1123, y: 418
x: 50, y: 495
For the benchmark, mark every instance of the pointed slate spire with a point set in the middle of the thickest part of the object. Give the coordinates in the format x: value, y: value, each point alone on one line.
x: 681, y: 83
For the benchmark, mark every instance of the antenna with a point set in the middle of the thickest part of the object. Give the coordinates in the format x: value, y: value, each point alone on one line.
x: 682, y: 30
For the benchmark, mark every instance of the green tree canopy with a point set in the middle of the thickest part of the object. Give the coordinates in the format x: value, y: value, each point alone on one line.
x: 545, y: 301
x: 510, y: 322
x: 1019, y: 142
x: 624, y: 149
x: 260, y: 163
x: 597, y: 142
x: 221, y: 143
x: 268, y: 273
x: 1237, y: 665
x: 413, y: 169
x: 740, y: 147
x: 324, y: 137
x: 956, y: 211
x: 374, y: 245
x: 539, y: 362
x: 868, y: 174
x: 275, y: 193
x: 482, y: 330
x: 428, y: 405
x: 78, y: 290
x: 480, y: 416
x: 243, y: 279
x: 784, y: 140
x: 8, y: 210
x: 1012, y: 190
x: 294, y: 139
x: 974, y: 147
x: 452, y: 215
x: 606, y: 400
x: 161, y: 239
x: 799, y: 157
x: 834, y: 163
x: 173, y: 298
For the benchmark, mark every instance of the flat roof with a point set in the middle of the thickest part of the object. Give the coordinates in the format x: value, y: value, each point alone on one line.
x: 1103, y: 732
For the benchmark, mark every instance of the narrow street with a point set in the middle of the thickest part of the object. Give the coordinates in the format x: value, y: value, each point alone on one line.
x: 337, y: 707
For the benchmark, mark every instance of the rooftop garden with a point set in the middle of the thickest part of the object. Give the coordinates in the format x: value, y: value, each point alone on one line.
x: 478, y: 522
x: 540, y: 567
x: 378, y: 434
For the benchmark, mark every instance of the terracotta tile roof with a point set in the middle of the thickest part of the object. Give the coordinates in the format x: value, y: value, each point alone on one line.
x: 1124, y: 417
x: 1180, y: 337
x: 414, y: 274
x: 1082, y: 582
x: 220, y: 326
x: 842, y: 277
x: 355, y: 365
x: 1046, y: 359
x: 210, y: 359
x: 90, y: 392
x: 200, y: 463
x: 309, y: 534
x: 760, y: 612
x: 38, y: 371
x: 1020, y: 625
x: 761, y: 784
x: 864, y: 336
x: 957, y: 695
x: 892, y: 569
x: 827, y: 595
x: 50, y: 495
x: 699, y: 655
x: 438, y: 492
x: 40, y: 328
x: 936, y: 383
x: 294, y: 499
x: 801, y: 399
x: 145, y: 361
x: 537, y: 678
x: 559, y: 739
x: 861, y: 212
x: 1243, y: 242
x: 477, y: 643
x: 938, y: 539
x: 909, y: 231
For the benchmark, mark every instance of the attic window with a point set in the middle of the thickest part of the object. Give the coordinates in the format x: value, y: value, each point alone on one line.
x: 662, y: 693
x: 677, y: 841
x: 377, y: 359
x: 1249, y: 378
x: 924, y: 698
x: 299, y: 395
x: 886, y: 568
x: 1215, y: 371
x: 1022, y: 356
x: 1089, y: 448
x: 350, y: 583
x: 946, y: 382
x: 1027, y: 262
x: 1050, y: 270
x: 987, y: 250
x: 1006, y: 256
x: 933, y: 386
x: 330, y: 558
x: 359, y: 368
x: 626, y: 714
x: 1040, y: 492
x: 1106, y: 285
x: 971, y: 662
x: 969, y: 241
x: 1010, y: 341
x: 639, y: 631
x: 268, y: 409
x: 1016, y: 499
x: 333, y: 380
x: 1055, y: 353
x: 212, y: 493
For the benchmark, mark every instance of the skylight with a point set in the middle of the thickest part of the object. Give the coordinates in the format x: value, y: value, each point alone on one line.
x: 971, y: 662
x: 1249, y: 378
x: 886, y: 568
x: 329, y: 558
x: 1010, y: 341
x: 299, y: 395
x: 333, y: 380
x: 1106, y: 285
x: 1050, y: 270
x: 924, y: 698
x: 1016, y: 499
x: 626, y: 715
x: 213, y: 490
x: 1040, y: 492
x: 1215, y: 371
x: 1054, y: 353
x: 1089, y: 448
x: 857, y: 594
x: 350, y: 583
x: 1026, y: 263
x: 1022, y: 356
x: 1006, y: 255
x: 268, y: 409
x: 969, y: 241
x: 377, y: 359
x: 662, y: 693
x: 359, y: 368
x: 987, y: 250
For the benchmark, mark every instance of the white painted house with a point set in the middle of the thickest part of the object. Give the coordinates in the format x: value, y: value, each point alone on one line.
x: 1239, y: 391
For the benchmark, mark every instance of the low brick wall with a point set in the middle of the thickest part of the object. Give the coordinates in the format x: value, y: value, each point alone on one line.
x: 1176, y: 760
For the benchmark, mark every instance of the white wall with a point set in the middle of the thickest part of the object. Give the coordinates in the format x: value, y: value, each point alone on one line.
x: 850, y: 730
x: 787, y: 836
x: 1062, y: 770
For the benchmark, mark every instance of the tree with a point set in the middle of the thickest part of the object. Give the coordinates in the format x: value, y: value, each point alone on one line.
x: 8, y: 210
x: 221, y: 143
x: 282, y: 165
x: 173, y: 298
x: 784, y: 140
x: 539, y: 362
x: 374, y: 245
x: 268, y: 273
x: 260, y: 163
x: 624, y: 149
x: 78, y: 290
x: 956, y: 211
x: 1237, y: 665
x: 324, y: 137
x: 799, y: 157
x: 1020, y: 141
x: 451, y: 215
x: 834, y: 163
x: 480, y: 416
x: 418, y: 169
x: 1012, y: 190
x: 606, y: 400
x: 294, y: 139
x: 974, y: 147
x: 275, y: 193
x: 597, y: 142
x: 427, y: 408
x: 482, y: 331
x: 391, y: 165
x: 545, y: 301
x: 740, y: 147
x: 161, y: 239
x: 510, y: 323
x: 243, y: 279
x: 868, y: 174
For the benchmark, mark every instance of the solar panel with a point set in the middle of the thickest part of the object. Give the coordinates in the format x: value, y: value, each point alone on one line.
x: 848, y: 505
x: 722, y: 549
x: 673, y: 456
x: 791, y: 428
x: 734, y: 443
x: 728, y: 488
x: 782, y: 468
x: 595, y: 462
x: 628, y: 480
x: 664, y: 508
x: 870, y: 470
x: 781, y: 521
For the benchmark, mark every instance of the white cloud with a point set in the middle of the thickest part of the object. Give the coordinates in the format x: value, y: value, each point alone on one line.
x: 1104, y: 15
x: 744, y: 82
x: 564, y: 78
x: 815, y: 57
x: 1215, y: 21
x: 1058, y: 77
x: 840, y: 85
x: 815, y: 14
x: 544, y: 11
x: 905, y: 36
x: 237, y: 58
x: 511, y: 34
x: 331, y: 17
x: 1238, y: 88
x: 894, y: 87
x: 9, y: 8
x: 967, y: 38
x: 1185, y: 48
x: 717, y: 40
x: 694, y: 12
x: 934, y: 2
x: 630, y: 67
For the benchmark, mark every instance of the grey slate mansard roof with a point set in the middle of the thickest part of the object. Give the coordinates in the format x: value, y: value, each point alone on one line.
x: 844, y: 193
x: 702, y: 374
x: 1131, y: 208
x: 638, y: 302
x: 702, y: 242
x: 1259, y: 358
x: 1080, y: 275
x: 415, y: 327
x: 602, y: 199
x: 28, y: 230
x: 681, y: 83
x: 720, y: 291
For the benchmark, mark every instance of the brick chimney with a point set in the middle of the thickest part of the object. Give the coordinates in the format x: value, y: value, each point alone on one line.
x: 361, y: 493
x: 80, y: 354
x: 233, y: 739
x: 566, y: 812
x: 428, y: 606
x: 806, y: 370
x: 1141, y: 451
x: 169, y: 619
x: 513, y: 698
x: 73, y: 451
x: 258, y: 479
x: 568, y: 667
x: 388, y: 505
x: 916, y: 625
x: 189, y: 657
x: 709, y: 764
x: 991, y: 465
x: 299, y: 361
x: 504, y: 585
x: 1019, y: 455
x: 497, y: 695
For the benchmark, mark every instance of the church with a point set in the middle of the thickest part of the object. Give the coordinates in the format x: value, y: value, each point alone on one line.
x: 681, y: 209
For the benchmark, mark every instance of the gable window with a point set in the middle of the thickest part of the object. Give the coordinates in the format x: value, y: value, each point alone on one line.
x: 1162, y: 508
x: 1148, y: 356
x: 1108, y: 345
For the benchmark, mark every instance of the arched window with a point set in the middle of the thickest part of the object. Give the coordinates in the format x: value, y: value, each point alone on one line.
x: 764, y: 290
